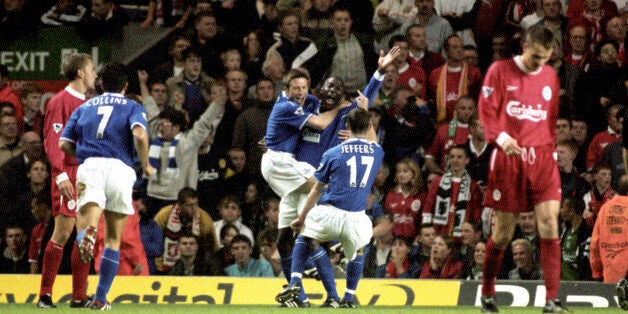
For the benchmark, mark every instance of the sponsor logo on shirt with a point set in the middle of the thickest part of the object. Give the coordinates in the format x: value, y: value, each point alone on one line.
x: 525, y: 112
x: 311, y: 136
x: 487, y: 91
x: 511, y: 88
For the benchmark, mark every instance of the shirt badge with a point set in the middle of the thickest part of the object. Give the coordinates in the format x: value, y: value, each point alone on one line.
x: 487, y: 91
x: 57, y: 127
x: 299, y: 111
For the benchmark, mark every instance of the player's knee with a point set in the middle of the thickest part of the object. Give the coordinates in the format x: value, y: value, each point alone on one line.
x: 311, y: 243
x: 84, y: 210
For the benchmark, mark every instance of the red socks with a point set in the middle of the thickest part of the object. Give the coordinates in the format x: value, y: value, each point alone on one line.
x: 550, y: 265
x: 492, y: 264
x: 50, y: 266
x: 80, y: 272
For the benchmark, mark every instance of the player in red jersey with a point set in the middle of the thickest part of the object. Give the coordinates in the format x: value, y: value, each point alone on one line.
x: 518, y: 108
x: 80, y: 71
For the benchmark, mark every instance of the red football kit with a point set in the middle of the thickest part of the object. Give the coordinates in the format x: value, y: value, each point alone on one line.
x: 516, y: 103
x: 62, y: 166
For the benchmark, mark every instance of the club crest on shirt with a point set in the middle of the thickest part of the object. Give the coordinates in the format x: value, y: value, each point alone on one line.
x: 416, y: 205
x: 299, y: 111
x: 487, y: 91
x: 547, y: 93
x: 57, y: 127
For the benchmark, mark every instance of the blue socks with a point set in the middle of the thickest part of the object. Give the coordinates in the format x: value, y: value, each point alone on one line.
x: 325, y: 271
x: 108, y: 269
x: 354, y: 272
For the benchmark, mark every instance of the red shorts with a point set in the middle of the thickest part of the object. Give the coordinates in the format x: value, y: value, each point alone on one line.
x: 516, y: 183
x: 60, y: 205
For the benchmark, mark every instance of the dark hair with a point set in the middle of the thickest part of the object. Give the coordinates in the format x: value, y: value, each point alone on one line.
x: 295, y: 74
x: 269, y: 234
x: 189, y: 234
x: 190, y: 52
x: 203, y: 14
x: 598, y: 47
x: 30, y: 88
x: 186, y: 193
x: 240, y: 238
x: 402, y: 239
x: 176, y: 117
x: 114, y: 77
x: 425, y: 226
x: 73, y: 63
x: 226, y: 227
x: 7, y: 104
x: 31, y: 164
x: 576, y: 204
x: 470, y: 47
x: 358, y: 120
x: 461, y: 147
x: 539, y: 34
x: 395, y: 39
x: 446, y: 43
x: 173, y: 42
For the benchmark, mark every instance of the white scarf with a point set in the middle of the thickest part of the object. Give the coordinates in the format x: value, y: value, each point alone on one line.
x: 172, y: 234
x: 443, y: 200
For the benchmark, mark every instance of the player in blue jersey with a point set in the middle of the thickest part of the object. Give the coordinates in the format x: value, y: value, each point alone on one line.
x: 101, y: 133
x: 313, y: 143
x: 340, y: 210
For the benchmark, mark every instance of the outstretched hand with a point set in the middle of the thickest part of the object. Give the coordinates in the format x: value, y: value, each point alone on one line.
x: 363, y: 101
x: 386, y: 59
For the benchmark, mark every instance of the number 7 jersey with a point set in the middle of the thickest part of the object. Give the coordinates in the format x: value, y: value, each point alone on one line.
x: 101, y: 127
x: 349, y: 169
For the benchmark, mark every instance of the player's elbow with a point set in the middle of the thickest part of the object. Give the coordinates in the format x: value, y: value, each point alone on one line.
x: 140, y: 134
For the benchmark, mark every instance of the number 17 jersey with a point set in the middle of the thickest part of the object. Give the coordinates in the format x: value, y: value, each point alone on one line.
x: 349, y: 169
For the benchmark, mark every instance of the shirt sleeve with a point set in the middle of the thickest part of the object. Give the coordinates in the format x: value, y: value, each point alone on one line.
x: 324, y: 169
x: 490, y: 105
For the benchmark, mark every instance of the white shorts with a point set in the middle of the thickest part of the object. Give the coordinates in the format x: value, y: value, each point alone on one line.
x: 283, y: 173
x: 108, y: 182
x: 353, y: 229
x: 290, y: 206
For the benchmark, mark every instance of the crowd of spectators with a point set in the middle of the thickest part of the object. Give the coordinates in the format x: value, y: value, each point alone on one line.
x: 208, y: 212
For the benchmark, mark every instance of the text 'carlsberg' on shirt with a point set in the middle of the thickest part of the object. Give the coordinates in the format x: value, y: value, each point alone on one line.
x: 106, y: 100
x: 357, y: 148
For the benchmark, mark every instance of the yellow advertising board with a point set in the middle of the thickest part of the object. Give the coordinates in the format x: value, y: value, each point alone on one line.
x: 227, y: 290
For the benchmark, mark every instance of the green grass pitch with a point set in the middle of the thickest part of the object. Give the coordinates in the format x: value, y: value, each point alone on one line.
x: 241, y: 309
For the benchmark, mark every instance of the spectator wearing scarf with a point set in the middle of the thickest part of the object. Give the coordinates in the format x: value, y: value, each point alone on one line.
x: 184, y: 217
x: 453, y: 198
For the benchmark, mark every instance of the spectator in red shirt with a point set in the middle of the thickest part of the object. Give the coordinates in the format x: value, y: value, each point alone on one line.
x: 41, y: 207
x: 442, y: 263
x: 405, y: 201
x: 615, y: 118
x: 453, y: 198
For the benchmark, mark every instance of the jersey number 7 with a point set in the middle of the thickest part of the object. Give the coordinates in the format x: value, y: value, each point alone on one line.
x: 106, y: 112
